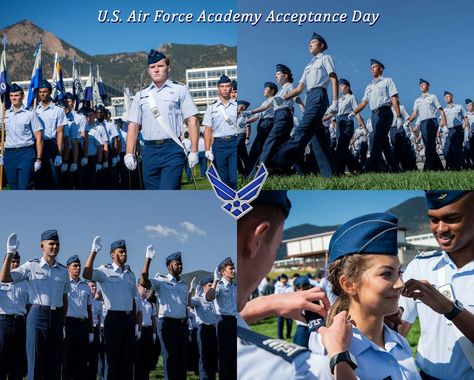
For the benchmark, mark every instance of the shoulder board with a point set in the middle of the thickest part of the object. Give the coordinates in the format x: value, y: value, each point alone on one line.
x: 61, y: 265
x: 108, y: 266
x: 286, y: 350
x: 34, y: 261
x: 175, y: 82
x: 428, y: 254
x: 127, y: 267
x: 214, y: 102
x: 160, y: 276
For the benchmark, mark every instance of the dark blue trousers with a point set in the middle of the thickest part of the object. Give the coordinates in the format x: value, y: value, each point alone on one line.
x: 162, y: 165
x: 280, y: 323
x: 173, y: 334
x: 75, y: 348
x: 48, y: 178
x: 264, y: 127
x: 429, y: 131
x: 301, y: 337
x: 227, y: 346
x: 279, y: 134
x: 397, y: 139
x: 382, y: 119
x: 456, y: 139
x: 19, y: 167
x: 242, y: 154
x: 202, y: 163
x: 310, y: 125
x: 144, y: 354
x: 119, y: 333
x: 44, y: 338
x: 12, y: 347
x: 207, y: 343
x: 93, y: 356
x: 225, y: 159
x: 344, y: 157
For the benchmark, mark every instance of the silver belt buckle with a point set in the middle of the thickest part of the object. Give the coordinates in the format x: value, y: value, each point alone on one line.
x: 155, y: 112
x: 52, y: 307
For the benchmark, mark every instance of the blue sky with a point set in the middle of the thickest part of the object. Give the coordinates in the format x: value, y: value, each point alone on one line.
x: 325, y: 208
x: 417, y: 39
x: 77, y: 23
x: 191, y: 222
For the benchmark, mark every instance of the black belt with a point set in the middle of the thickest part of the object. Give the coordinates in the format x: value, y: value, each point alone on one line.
x: 77, y: 320
x: 119, y: 312
x: 11, y: 316
x: 228, y: 317
x: 44, y: 307
x: 226, y: 138
x: 19, y: 148
x: 382, y: 108
x: 157, y: 142
x: 175, y: 320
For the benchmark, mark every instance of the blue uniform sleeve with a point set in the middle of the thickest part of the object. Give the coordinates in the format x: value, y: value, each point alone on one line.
x: 392, y: 89
x: 113, y: 131
x: 353, y: 102
x: 21, y: 273
x: 62, y: 119
x: 98, y: 275
x: 207, y: 121
x: 155, y: 284
x: 366, y: 94
x: 73, y: 131
x: 67, y: 285
x: 188, y: 108
x: 436, y: 102
x: 328, y: 64
x: 35, y: 123
x: 135, y: 113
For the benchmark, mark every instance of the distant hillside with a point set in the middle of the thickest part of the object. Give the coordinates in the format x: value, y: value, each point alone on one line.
x: 115, y: 69
x: 187, y: 277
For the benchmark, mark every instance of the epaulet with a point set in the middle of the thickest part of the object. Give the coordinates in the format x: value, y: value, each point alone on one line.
x: 61, y: 265
x: 160, y: 276
x: 34, y: 261
x: 214, y: 102
x: 176, y: 82
x: 127, y: 267
x: 428, y: 254
x: 286, y: 350
x: 108, y: 266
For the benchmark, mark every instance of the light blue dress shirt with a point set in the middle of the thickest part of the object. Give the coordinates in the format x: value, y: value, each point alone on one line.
x: 172, y: 296
x: 316, y: 73
x: 427, y: 106
x: 51, y: 117
x: 378, y: 93
x: 455, y: 115
x: 20, y: 127
x: 79, y: 298
x: 13, y: 298
x: 226, y: 298
x: 214, y: 119
x: 205, y: 310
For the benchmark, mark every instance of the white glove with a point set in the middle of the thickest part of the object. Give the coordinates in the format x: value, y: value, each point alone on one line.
x: 150, y: 252
x: 245, y: 114
x: 64, y: 333
x: 115, y: 161
x: 73, y: 168
x: 351, y: 115
x: 98, y: 167
x: 217, y: 274
x: 96, y: 244
x: 1, y: 160
x: 91, y: 337
x: 193, y: 283
x: 199, y: 289
x: 105, y: 165
x: 399, y: 122
x: 84, y: 161
x: 12, y: 243
x: 279, y: 100
x: 138, y: 333
x: 37, y: 165
x: 130, y: 161
x: 333, y: 107
x: 209, y: 155
x: 247, y: 141
x: 63, y: 168
x: 58, y: 161
x: 193, y: 159
x: 154, y: 337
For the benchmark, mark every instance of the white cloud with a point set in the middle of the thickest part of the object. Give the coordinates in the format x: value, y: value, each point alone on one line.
x: 165, y: 231
x: 192, y: 228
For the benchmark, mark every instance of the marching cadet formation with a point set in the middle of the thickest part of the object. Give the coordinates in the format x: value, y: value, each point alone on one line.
x: 390, y: 141
x: 111, y: 323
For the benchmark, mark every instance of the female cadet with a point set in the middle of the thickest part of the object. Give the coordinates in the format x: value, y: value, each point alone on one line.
x: 365, y: 274
x: 283, y: 117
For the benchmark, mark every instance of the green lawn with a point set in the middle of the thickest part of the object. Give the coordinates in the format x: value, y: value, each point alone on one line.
x: 160, y: 374
x: 418, y: 180
x: 268, y: 327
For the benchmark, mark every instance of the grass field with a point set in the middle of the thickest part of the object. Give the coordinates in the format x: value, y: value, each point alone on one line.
x: 268, y: 327
x: 418, y: 180
x: 160, y: 374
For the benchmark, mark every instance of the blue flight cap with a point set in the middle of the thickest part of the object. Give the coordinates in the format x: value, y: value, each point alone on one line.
x: 301, y: 281
x: 100, y: 107
x: 320, y: 38
x: 173, y: 256
x: 206, y: 280
x: 436, y: 199
x: 68, y: 95
x: 223, y: 263
x: 118, y: 244
x: 234, y: 84
x: 16, y: 88
x: 274, y: 197
x: 371, y: 233
x: 344, y: 81
x: 243, y: 102
x: 271, y: 86
x: 45, y: 84
x: 50, y: 235
x: 447, y: 93
x: 73, y: 259
x: 467, y: 101
x: 375, y: 62
x: 281, y: 67
x: 155, y: 56
x: 424, y: 81
x: 223, y: 79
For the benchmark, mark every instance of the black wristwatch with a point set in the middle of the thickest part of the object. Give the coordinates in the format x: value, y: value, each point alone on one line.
x: 345, y: 356
x: 457, y: 308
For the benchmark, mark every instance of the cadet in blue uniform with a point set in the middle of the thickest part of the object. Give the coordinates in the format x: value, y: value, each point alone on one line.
x: 220, y: 122
x: 48, y: 286
x: 13, y: 301
x: 243, y: 137
x: 233, y: 92
x: 117, y: 282
x: 316, y: 77
x: 284, y: 287
x: 261, y: 357
x: 438, y: 289
x: 23, y: 133
x: 93, y: 349
x: 398, y: 137
x: 426, y: 107
x: 160, y: 109
x: 53, y: 120
x: 264, y: 126
x: 78, y: 327
x: 456, y: 121
x: 172, y: 294
x: 207, y: 319
x: 224, y: 292
x: 470, y: 120
x: 96, y: 145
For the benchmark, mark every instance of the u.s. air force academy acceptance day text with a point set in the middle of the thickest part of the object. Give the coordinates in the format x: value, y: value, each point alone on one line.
x: 231, y: 16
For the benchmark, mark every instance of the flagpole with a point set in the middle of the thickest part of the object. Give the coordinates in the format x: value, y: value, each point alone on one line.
x: 3, y: 140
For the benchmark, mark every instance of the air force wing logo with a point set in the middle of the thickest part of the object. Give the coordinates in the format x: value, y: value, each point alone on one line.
x: 237, y: 203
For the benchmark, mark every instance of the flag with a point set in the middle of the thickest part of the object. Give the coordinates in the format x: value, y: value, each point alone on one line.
x: 77, y: 86
x: 101, y: 86
x: 88, y: 88
x: 4, y: 82
x: 36, y: 76
x: 96, y: 98
x: 126, y: 100
x: 58, y: 83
